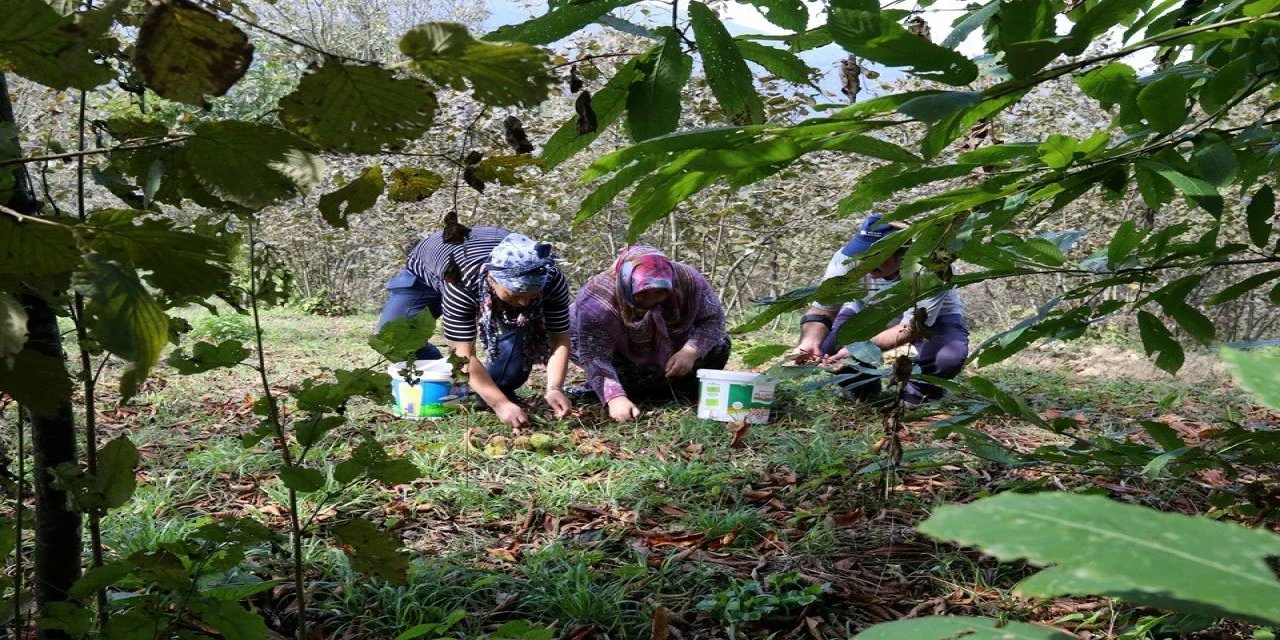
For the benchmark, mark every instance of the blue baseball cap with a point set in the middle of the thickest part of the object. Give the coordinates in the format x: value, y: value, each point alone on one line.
x: 868, y: 234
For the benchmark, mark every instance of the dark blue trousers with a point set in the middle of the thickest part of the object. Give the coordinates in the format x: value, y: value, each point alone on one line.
x: 408, y: 295
x: 942, y: 355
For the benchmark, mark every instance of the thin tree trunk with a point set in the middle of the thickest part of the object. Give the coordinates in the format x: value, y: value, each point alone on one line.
x: 53, y: 435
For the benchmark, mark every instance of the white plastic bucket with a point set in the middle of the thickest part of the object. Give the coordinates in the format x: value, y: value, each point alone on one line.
x: 426, y: 398
x: 734, y: 396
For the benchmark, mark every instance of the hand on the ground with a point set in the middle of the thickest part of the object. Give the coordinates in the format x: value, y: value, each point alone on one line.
x: 681, y: 362
x: 836, y: 360
x: 805, y: 352
x: 512, y: 415
x: 622, y: 409
x: 559, y: 402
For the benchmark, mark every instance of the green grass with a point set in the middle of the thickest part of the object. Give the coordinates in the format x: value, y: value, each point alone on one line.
x: 552, y: 537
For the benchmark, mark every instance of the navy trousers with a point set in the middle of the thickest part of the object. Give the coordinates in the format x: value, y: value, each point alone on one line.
x: 942, y: 355
x: 408, y: 296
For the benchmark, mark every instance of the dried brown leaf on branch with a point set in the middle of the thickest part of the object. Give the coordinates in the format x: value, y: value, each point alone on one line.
x: 586, y: 114
x: 850, y: 78
x: 455, y: 232
x: 575, y: 81
x: 514, y: 132
x: 917, y: 25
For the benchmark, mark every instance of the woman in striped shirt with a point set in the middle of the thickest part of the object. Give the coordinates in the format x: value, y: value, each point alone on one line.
x: 503, y: 288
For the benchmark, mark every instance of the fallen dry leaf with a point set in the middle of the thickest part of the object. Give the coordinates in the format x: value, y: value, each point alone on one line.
x: 661, y: 624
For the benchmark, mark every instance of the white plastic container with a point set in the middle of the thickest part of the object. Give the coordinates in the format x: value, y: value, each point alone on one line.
x: 734, y: 396
x: 426, y: 398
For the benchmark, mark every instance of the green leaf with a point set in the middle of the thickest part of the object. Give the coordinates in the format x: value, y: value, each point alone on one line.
x: 1155, y: 190
x: 727, y: 73
x: 561, y: 21
x: 369, y: 458
x: 231, y: 620
x: 1202, y: 193
x: 117, y: 464
x: 1114, y: 84
x: 1214, y: 159
x: 97, y: 578
x: 1258, y: 371
x: 1019, y: 21
x: 206, y: 356
x: 501, y: 75
x: 1242, y: 287
x: 779, y: 62
x: 373, y: 551
x: 411, y: 184
x: 1262, y: 207
x: 1164, y: 103
x: 302, y: 479
x: 890, y: 180
x: 1097, y: 20
x: 185, y: 264
x: 937, y: 106
x: 126, y: 320
x: 791, y: 15
x: 185, y: 52
x: 399, y: 338
x: 1225, y: 84
x: 653, y: 103
x: 764, y: 353
x: 1126, y: 239
x: 30, y: 248
x: 1024, y: 59
x: 1260, y: 7
x: 967, y: 23
x: 657, y: 195
x: 352, y: 108
x: 309, y: 431
x: 13, y: 327
x: 39, y: 382
x: 953, y: 627
x: 1135, y: 553
x: 40, y: 44
x: 356, y: 196
x: 607, y: 191
x: 860, y: 28
x: 251, y: 164
x: 1156, y: 339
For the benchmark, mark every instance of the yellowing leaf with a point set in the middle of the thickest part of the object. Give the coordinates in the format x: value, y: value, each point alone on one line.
x: 185, y: 52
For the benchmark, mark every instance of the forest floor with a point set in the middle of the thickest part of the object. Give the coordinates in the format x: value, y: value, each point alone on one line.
x: 611, y: 525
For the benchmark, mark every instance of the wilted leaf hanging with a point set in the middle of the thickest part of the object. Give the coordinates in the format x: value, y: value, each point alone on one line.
x: 504, y: 74
x: 469, y: 171
x: 455, y: 232
x: 185, y: 52
x: 850, y: 78
x: 513, y: 130
x: 586, y: 114
x: 575, y: 81
x: 917, y: 25
x: 355, y: 197
x: 358, y: 109
x: 410, y: 184
x: 452, y: 272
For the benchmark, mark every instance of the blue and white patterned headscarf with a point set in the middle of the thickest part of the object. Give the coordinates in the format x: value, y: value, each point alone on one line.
x: 520, y: 264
